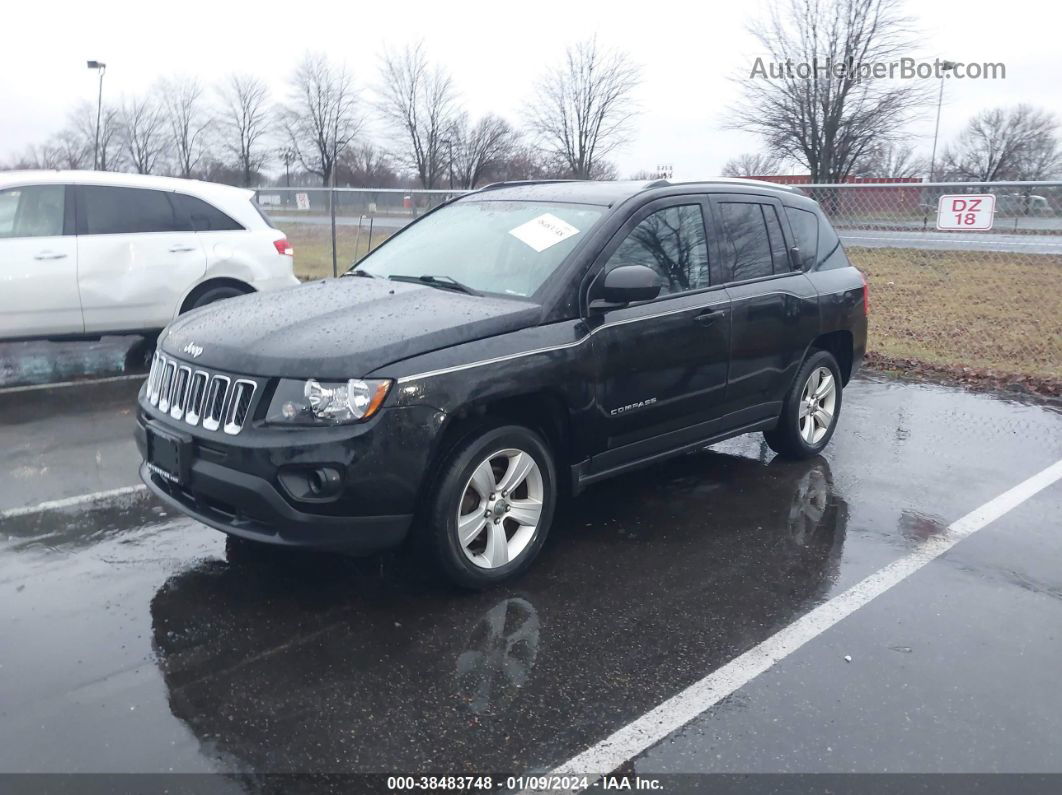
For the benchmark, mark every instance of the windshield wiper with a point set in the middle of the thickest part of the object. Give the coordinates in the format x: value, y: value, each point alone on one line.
x: 356, y: 272
x: 442, y: 282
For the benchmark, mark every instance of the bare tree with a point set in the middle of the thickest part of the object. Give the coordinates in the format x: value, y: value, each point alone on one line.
x: 245, y: 123
x: 69, y: 150
x: 479, y: 147
x: 365, y: 166
x: 321, y: 119
x: 1018, y: 143
x: 752, y: 164
x: 82, y: 120
x: 583, y: 109
x: 143, y: 133
x: 817, y: 101
x: 181, y: 101
x: 525, y: 161
x: 420, y: 103
x: 34, y: 157
x: 891, y: 159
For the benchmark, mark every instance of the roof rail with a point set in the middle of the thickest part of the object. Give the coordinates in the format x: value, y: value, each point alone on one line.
x: 752, y: 183
x: 516, y: 183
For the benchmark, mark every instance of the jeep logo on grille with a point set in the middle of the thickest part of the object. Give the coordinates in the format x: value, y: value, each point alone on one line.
x: 193, y: 349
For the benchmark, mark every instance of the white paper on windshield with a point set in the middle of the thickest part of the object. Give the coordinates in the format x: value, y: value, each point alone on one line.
x: 544, y: 231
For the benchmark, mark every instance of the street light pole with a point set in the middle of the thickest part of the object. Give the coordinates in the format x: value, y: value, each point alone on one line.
x: 100, y: 67
x: 946, y: 66
x: 449, y: 143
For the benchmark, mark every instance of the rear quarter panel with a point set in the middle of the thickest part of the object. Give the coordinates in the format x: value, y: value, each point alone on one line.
x: 247, y: 256
x: 841, y: 306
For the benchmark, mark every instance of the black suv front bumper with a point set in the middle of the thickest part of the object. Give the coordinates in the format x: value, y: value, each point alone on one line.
x: 241, y: 484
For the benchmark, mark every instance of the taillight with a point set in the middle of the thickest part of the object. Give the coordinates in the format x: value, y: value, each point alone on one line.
x: 866, y: 294
x: 284, y: 247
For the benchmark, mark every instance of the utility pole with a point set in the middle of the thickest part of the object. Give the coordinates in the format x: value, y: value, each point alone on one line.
x: 945, y: 66
x: 450, y: 156
x: 332, y: 196
x: 100, y: 67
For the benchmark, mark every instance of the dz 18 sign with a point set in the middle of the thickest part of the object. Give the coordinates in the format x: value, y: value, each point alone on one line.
x: 966, y: 211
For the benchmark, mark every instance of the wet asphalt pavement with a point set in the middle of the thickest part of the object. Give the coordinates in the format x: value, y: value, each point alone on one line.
x: 131, y: 643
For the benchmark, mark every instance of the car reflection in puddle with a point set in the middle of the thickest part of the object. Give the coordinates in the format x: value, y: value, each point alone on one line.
x: 502, y: 648
x: 308, y: 662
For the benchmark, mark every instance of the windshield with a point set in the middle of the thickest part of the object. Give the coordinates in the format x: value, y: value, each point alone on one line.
x: 508, y: 247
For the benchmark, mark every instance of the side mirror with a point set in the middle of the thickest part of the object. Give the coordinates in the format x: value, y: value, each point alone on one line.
x: 795, y: 262
x: 624, y: 285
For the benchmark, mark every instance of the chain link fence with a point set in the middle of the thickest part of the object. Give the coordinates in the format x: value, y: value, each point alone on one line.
x: 363, y: 218
x: 962, y: 299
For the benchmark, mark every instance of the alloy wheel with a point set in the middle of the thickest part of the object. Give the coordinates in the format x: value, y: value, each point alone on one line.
x: 817, y: 404
x: 500, y: 508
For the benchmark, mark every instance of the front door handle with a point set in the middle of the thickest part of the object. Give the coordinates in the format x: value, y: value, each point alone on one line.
x: 51, y: 255
x: 181, y: 248
x: 708, y: 317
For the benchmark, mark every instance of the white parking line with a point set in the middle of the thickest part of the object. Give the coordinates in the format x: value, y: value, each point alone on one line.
x: 60, y: 384
x: 71, y: 502
x: 626, y: 743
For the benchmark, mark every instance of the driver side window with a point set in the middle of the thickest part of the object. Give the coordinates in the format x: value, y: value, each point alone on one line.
x: 670, y: 241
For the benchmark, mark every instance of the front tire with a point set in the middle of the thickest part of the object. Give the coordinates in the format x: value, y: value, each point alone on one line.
x: 810, y: 409
x: 492, y: 505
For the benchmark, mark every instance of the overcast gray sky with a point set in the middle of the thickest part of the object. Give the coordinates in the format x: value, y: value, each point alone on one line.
x: 494, y: 51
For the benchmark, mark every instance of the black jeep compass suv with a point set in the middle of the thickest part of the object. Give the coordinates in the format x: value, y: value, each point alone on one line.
x: 519, y: 341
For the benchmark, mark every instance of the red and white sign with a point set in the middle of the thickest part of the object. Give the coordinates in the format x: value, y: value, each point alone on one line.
x: 967, y: 211
x: 302, y: 201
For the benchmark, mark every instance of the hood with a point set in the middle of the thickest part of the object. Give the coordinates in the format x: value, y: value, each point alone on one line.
x: 338, y: 328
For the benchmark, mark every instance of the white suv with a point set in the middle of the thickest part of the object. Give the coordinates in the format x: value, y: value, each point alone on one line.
x: 84, y: 253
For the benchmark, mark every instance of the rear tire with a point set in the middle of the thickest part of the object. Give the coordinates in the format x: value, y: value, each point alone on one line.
x: 491, y: 505
x: 213, y: 294
x: 810, y: 410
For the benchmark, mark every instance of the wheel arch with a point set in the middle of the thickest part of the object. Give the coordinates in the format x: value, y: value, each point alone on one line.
x: 543, y: 411
x: 839, y: 343
x: 208, y: 284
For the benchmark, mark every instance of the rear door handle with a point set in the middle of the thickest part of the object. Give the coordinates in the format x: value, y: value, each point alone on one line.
x: 50, y: 255
x: 181, y: 248
x: 708, y: 317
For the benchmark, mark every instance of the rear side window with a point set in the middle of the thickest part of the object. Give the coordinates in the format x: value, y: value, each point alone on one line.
x: 201, y: 216
x: 776, y: 238
x: 671, y: 242
x: 747, y: 231
x: 805, y: 226
x: 263, y: 213
x: 105, y: 210
x: 831, y: 253
x: 32, y: 211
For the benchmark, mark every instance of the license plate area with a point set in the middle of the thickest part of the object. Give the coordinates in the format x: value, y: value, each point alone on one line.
x: 169, y: 453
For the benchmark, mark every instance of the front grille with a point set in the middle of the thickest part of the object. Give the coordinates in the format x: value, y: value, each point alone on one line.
x: 166, y: 383
x: 153, y: 379
x: 196, y: 395
x: 214, y: 409
x: 239, y: 403
x: 179, y: 393
x: 213, y: 399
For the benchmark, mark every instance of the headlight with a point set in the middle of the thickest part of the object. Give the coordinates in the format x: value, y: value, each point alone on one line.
x: 316, y: 402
